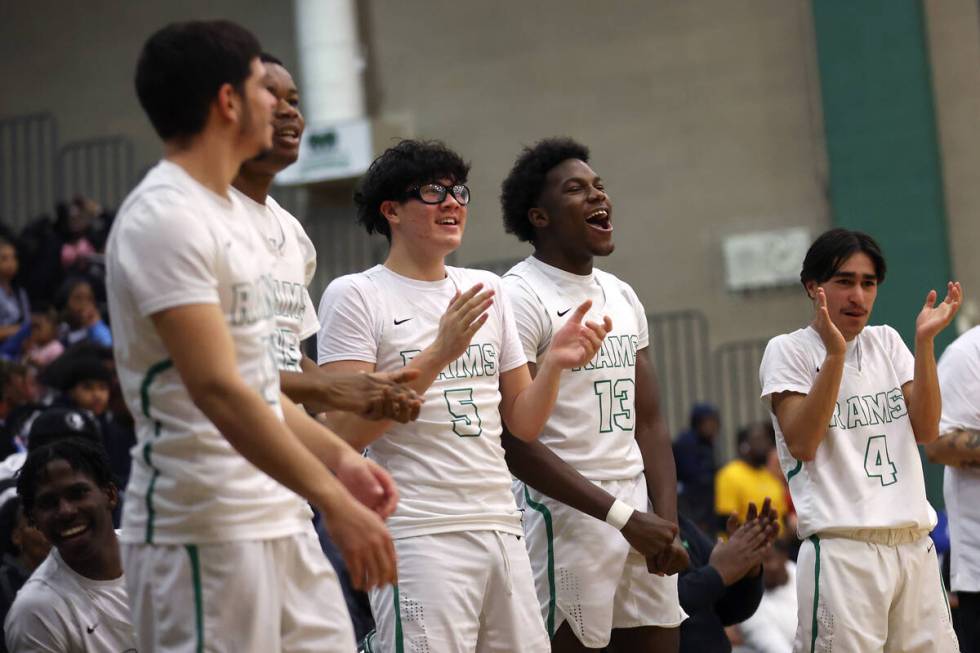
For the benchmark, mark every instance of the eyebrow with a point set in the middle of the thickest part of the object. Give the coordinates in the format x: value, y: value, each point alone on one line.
x: 582, y: 180
x: 853, y: 275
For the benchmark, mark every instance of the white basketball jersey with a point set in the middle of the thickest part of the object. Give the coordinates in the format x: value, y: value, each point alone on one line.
x: 592, y: 426
x: 294, y: 264
x: 867, y: 472
x: 448, y: 464
x: 959, y: 381
x: 176, y: 243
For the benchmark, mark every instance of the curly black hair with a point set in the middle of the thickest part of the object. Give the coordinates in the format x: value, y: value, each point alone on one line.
x: 522, y: 187
x: 82, y: 455
x: 409, y: 163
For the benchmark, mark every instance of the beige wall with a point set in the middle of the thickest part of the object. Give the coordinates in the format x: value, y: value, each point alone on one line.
x: 703, y: 118
x: 953, y: 28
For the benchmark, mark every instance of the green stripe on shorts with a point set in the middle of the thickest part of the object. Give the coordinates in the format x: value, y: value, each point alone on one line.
x: 816, y: 591
x: 549, y: 530
x: 796, y: 470
x: 399, y: 637
x: 198, y: 600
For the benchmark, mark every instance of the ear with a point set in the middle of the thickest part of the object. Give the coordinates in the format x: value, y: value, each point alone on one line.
x: 389, y: 210
x: 811, y: 289
x: 112, y: 494
x: 538, y: 218
x: 228, y: 103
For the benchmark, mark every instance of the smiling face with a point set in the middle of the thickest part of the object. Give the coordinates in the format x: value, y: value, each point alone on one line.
x: 851, y: 293
x: 429, y: 231
x: 287, y: 124
x: 73, y: 513
x: 575, y: 211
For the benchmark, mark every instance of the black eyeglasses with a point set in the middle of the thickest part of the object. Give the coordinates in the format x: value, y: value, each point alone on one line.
x: 436, y: 193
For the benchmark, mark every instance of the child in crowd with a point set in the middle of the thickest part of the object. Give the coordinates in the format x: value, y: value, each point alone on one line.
x: 43, y: 346
x: 80, y: 315
x: 15, y: 309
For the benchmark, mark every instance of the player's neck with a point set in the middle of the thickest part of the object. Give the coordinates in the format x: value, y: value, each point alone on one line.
x: 253, y: 185
x: 211, y: 159
x: 563, y: 260
x: 419, y: 265
x: 104, y: 564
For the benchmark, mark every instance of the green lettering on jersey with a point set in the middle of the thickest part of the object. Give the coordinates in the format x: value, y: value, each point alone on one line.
x: 855, y: 413
x: 877, y: 407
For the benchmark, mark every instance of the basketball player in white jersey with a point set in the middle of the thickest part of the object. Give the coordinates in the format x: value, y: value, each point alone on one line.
x: 605, y: 452
x: 217, y: 543
x: 959, y: 449
x: 371, y: 395
x: 849, y: 403
x: 464, y: 581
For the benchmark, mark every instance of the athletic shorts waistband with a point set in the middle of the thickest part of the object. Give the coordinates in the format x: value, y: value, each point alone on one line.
x: 887, y: 536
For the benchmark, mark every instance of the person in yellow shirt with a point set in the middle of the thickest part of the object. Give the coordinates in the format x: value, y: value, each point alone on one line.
x: 747, y: 479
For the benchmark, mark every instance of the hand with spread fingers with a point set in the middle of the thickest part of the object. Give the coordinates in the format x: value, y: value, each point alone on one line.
x: 467, y: 312
x: 934, y: 318
x: 575, y: 344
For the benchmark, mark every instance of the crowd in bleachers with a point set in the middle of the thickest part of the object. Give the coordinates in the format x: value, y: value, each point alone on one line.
x: 55, y: 352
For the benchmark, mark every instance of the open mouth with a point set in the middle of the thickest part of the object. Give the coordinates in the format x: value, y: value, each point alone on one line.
x: 448, y: 222
x: 73, y: 532
x: 288, y: 136
x: 599, y: 219
x: 855, y: 314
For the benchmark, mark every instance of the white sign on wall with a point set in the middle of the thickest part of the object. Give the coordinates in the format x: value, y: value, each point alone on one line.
x: 337, y: 151
x: 765, y: 259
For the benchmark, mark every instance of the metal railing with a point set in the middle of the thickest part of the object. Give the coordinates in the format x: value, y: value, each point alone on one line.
x: 99, y: 168
x: 737, y: 389
x: 680, y: 351
x: 28, y: 146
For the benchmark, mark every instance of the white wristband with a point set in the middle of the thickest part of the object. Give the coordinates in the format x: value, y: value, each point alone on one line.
x: 619, y: 514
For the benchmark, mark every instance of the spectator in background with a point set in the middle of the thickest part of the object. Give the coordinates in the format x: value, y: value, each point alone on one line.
x: 747, y: 479
x: 19, y: 392
x: 772, y: 628
x: 42, y: 346
x: 80, y: 316
x: 15, y: 308
x: 76, y: 600
x: 40, y: 244
x: 24, y: 548
x: 694, y: 455
x: 723, y: 585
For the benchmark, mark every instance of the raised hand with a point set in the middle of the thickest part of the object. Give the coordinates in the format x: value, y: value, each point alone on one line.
x: 375, y: 395
x: 648, y: 533
x: 467, y: 312
x: 742, y: 553
x: 934, y: 318
x: 575, y: 343
x: 833, y: 340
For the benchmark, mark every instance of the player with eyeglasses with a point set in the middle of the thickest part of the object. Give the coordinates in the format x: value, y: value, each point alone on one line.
x: 464, y: 579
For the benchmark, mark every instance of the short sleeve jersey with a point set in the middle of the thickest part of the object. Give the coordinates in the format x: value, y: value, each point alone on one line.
x: 959, y: 381
x: 592, y: 426
x: 867, y: 472
x: 175, y: 243
x: 448, y: 464
x: 60, y: 610
x: 294, y: 264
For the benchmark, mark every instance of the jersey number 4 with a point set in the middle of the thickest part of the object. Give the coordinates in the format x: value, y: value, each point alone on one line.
x: 615, y: 404
x: 462, y: 409
x: 877, y: 464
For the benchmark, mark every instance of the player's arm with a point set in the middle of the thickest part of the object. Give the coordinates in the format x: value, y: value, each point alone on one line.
x: 957, y: 448
x: 922, y: 392
x: 373, y: 396
x: 526, y: 402
x: 804, y: 418
x: 466, y: 313
x: 203, y: 354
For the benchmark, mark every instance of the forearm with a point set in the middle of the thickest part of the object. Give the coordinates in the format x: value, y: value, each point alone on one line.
x: 699, y: 589
x: 741, y: 599
x: 806, y: 425
x: 358, y: 431
x: 925, y: 402
x: 659, y: 468
x: 530, y: 409
x: 254, y: 430
x: 539, y: 467
x: 317, y: 438
x: 959, y: 448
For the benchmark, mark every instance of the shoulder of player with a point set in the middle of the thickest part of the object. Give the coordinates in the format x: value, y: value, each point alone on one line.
x: 359, y: 283
x: 793, y: 340
x: 610, y: 280
x: 42, y: 596
x: 466, y: 277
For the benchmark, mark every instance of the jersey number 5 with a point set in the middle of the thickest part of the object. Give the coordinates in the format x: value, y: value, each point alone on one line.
x: 615, y: 404
x: 465, y: 416
x: 877, y: 464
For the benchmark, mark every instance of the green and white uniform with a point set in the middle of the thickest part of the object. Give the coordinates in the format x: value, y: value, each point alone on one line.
x: 868, y: 579
x: 176, y: 243
x: 586, y: 573
x: 448, y: 464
